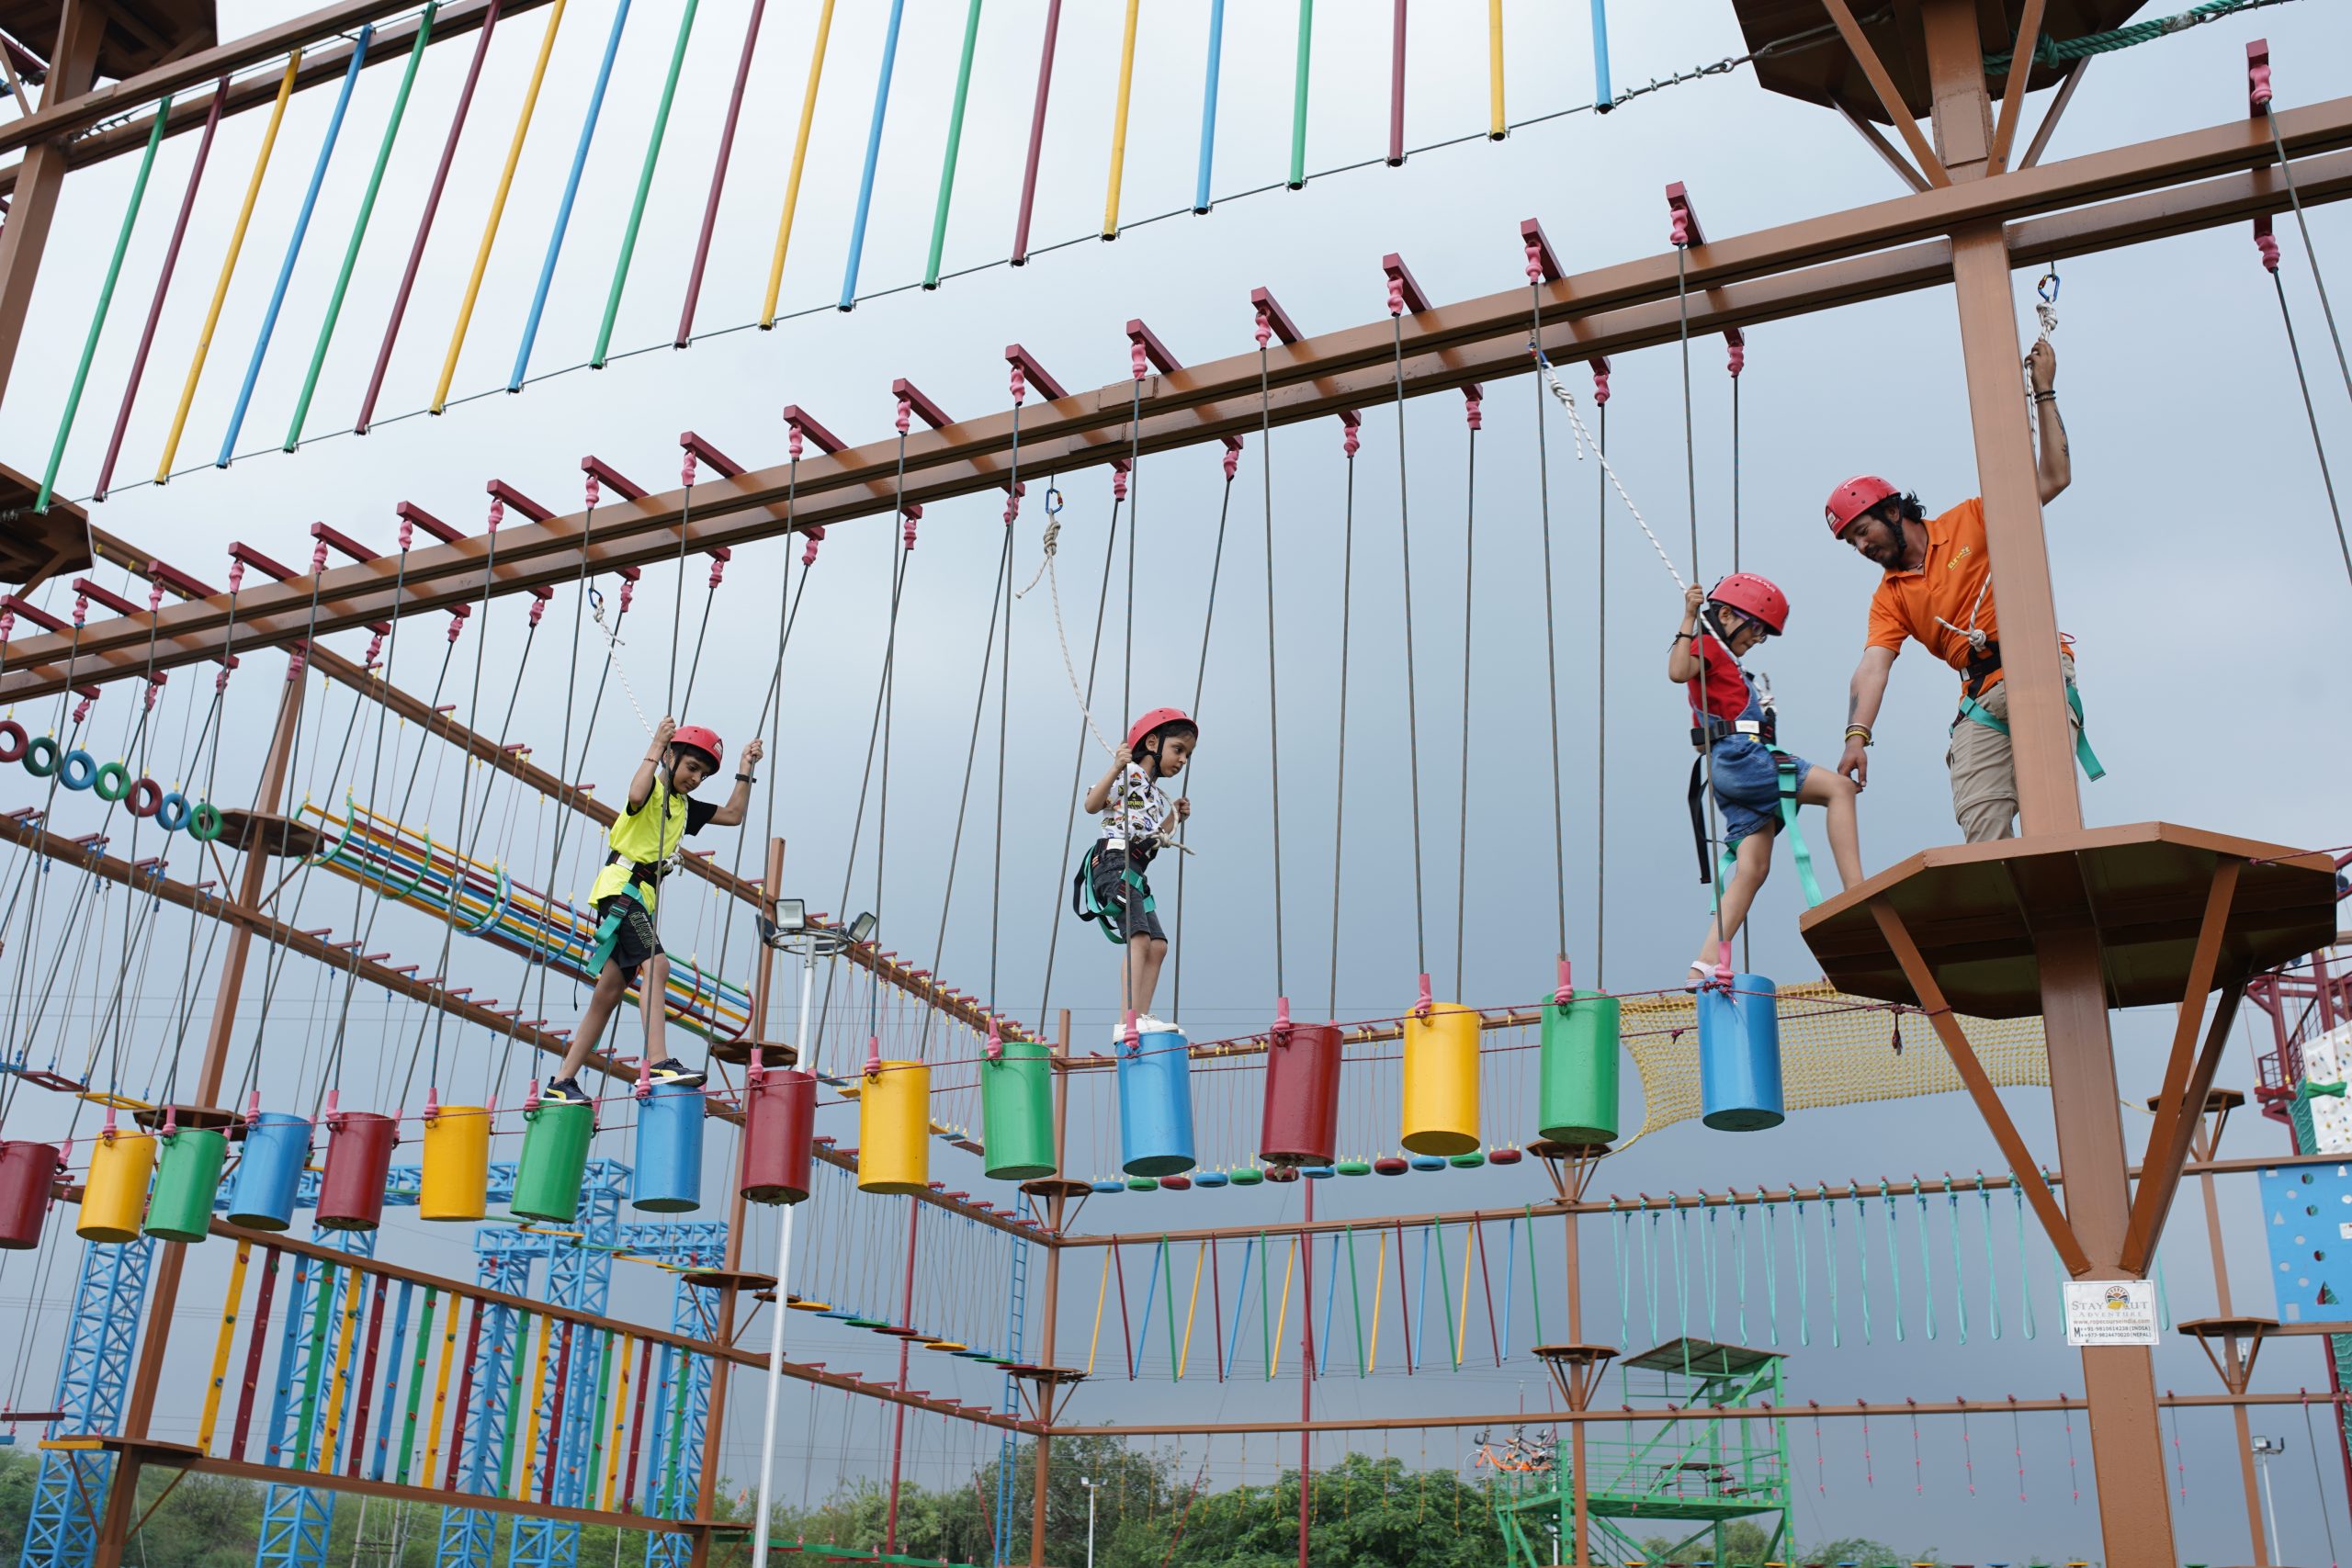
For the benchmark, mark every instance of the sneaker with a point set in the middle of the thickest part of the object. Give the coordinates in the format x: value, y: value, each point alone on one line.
x: 1119, y: 1033
x: 1151, y: 1025
x: 563, y: 1091
x: 670, y: 1070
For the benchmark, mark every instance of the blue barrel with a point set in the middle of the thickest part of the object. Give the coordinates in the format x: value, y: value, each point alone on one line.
x: 668, y: 1175
x: 1156, y: 1106
x: 1739, y: 1055
x: 269, y: 1169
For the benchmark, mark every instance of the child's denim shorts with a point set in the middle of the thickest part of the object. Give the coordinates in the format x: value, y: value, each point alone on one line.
x: 1747, y: 786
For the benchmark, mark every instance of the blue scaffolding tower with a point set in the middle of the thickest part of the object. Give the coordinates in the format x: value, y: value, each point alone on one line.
x: 101, y: 1331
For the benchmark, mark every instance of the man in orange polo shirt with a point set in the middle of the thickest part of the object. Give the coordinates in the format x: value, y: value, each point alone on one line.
x: 1937, y: 592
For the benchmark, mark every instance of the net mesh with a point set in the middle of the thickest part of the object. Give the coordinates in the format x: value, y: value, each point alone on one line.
x: 1835, y: 1050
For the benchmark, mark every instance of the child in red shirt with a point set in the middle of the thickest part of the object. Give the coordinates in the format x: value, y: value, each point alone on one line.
x: 1732, y: 724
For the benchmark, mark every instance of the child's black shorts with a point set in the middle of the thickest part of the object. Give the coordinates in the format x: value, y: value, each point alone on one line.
x: 635, y: 942
x: 1130, y: 907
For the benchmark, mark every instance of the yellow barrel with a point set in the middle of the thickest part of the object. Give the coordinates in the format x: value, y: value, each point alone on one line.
x: 894, y: 1129
x: 1442, y: 1082
x: 114, y: 1198
x: 454, y: 1184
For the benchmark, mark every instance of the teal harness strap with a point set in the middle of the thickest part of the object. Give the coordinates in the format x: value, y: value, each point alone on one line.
x: 609, y: 933
x: 1970, y: 708
x: 1090, y: 906
x: 1786, y: 768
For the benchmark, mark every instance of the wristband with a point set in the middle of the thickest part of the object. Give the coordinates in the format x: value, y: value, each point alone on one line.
x: 2049, y: 397
x: 745, y: 778
x: 1859, y: 732
x: 1686, y: 637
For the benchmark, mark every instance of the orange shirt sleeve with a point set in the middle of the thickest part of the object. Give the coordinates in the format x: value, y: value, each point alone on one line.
x: 1886, y: 627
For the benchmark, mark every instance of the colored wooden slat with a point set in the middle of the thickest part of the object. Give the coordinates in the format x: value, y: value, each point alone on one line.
x: 221, y: 1345
x: 571, y: 193
x: 645, y: 182
x: 799, y: 159
x: 686, y: 331
x: 873, y: 157
x: 954, y: 145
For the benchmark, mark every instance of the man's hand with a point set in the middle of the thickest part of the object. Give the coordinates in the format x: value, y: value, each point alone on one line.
x: 2041, y: 364
x: 1856, y: 763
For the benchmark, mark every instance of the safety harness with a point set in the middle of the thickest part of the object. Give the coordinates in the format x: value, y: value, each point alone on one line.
x: 1088, y: 906
x: 1764, y: 731
x: 642, y: 875
x: 1979, y: 672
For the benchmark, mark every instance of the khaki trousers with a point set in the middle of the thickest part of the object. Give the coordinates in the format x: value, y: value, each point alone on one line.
x: 1984, y: 768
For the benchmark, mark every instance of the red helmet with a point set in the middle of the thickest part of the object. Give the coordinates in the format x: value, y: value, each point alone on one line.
x: 1157, y: 718
x: 1756, y: 597
x: 1853, y: 498
x: 701, y: 740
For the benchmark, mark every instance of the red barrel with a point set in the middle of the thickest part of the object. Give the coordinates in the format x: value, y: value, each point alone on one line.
x: 359, y: 1157
x: 25, y: 1171
x: 780, y: 1117
x: 1302, y: 1121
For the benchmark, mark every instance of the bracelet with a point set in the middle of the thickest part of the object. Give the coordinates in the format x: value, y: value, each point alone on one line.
x: 2049, y: 397
x: 745, y: 778
x: 1686, y: 637
x: 1861, y: 732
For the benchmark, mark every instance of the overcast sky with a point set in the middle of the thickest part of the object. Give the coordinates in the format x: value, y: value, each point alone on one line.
x: 2194, y: 561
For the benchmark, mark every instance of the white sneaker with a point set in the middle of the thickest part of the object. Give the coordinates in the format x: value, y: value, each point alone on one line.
x: 1151, y: 1025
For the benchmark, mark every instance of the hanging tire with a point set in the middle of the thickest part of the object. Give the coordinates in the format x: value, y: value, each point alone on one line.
x: 143, y: 796
x: 77, y: 770
x: 172, y: 812
x: 204, y: 822
x: 40, y: 756
x: 13, y: 740
x: 112, y: 782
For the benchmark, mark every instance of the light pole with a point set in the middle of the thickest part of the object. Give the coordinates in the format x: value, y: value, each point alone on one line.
x: 1088, y: 1484
x: 791, y: 931
x: 2264, y: 1451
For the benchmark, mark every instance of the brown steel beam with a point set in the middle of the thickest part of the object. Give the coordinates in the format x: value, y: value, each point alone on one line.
x: 2029, y: 39
x: 1890, y: 96
x: 24, y: 238
x: 71, y: 124
x: 1623, y: 1416
x: 487, y: 1502
x: 2160, y: 1172
x: 1608, y: 311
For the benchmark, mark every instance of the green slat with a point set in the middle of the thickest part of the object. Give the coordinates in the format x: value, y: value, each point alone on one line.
x: 644, y: 184
x: 954, y: 144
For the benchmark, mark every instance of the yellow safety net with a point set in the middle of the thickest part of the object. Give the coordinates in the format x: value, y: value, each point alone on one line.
x: 1835, y: 1050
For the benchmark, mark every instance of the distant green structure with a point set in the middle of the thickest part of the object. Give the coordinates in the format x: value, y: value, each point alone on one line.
x: 1688, y: 1471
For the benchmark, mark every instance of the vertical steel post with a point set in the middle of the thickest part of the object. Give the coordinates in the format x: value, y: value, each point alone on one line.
x: 40, y: 177
x: 1047, y: 1345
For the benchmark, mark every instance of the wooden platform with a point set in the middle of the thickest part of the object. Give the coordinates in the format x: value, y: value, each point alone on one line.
x: 1827, y: 72
x: 1975, y: 910
x: 37, y: 546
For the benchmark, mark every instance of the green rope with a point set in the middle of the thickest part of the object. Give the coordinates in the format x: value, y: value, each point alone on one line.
x: 1862, y: 1252
x: 2061, y: 52
x: 1355, y: 1295
x: 1298, y: 104
x: 1445, y: 1290
x: 2163, y: 1302
x: 1804, y: 1303
x: 1772, y: 1281
x: 1992, y: 1280
x: 954, y: 144
x: 1535, y: 1292
x: 359, y: 225
x: 1958, y: 1279
x: 1708, y: 1233
x: 2025, y: 1279
x: 1926, y: 1259
x: 677, y: 1478
x: 1739, y: 1245
x: 106, y: 299
x: 416, y: 1386
x: 1894, y: 1255
x: 644, y: 185
x: 1649, y: 1270
x: 1265, y: 1324
x: 1829, y: 1253
x: 1168, y: 1296
x: 1617, y: 1227
x: 1682, y: 1275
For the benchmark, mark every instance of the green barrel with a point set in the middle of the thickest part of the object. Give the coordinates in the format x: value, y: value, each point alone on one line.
x: 187, y: 1176
x: 1017, y: 1112
x: 555, y: 1160
x: 1578, y: 1103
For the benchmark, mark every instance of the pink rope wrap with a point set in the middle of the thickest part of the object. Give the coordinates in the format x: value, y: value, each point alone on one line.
x: 906, y: 411
x: 912, y: 515
x: 80, y: 608
x: 1020, y: 382
x: 82, y: 709
x: 497, y: 514
x: 1012, y: 501
x: 873, y: 1055
x: 1600, y: 386
x: 718, y: 571
x: 1395, y: 295
x: 996, y: 1042
x: 792, y: 440
x: 629, y: 592
x: 1351, y: 441
x: 1282, y: 1030
x: 236, y: 574
x: 1470, y: 413
x: 1232, y: 462
x: 458, y: 613
x: 1118, y: 484
x: 1534, y: 264
x: 7, y: 626
x: 2257, y: 83
x: 298, y: 657
x: 155, y: 687
x: 2267, y: 243
x: 1566, y: 992
x: 538, y: 608
x: 408, y: 532
x: 1737, y: 359
x: 1135, y: 358
x: 375, y: 652
x: 686, y: 469
x: 1265, y: 331
x: 595, y: 491
x: 1424, y: 1004
x: 816, y: 537
x: 155, y: 598
x: 1680, y: 235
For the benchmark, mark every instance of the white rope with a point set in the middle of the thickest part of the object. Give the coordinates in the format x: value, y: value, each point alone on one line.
x: 1061, y: 633
x: 612, y: 645
x: 1584, y: 439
